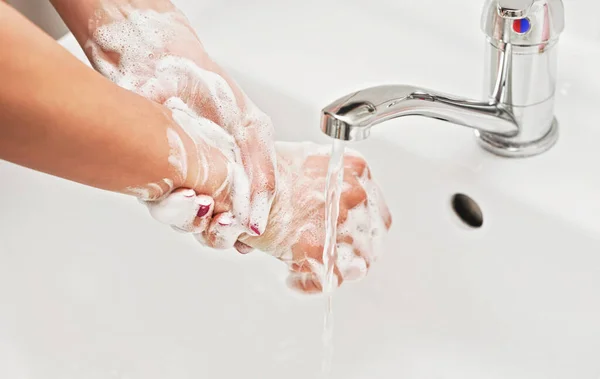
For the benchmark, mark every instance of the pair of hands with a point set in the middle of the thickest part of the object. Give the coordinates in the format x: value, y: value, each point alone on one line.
x: 235, y: 186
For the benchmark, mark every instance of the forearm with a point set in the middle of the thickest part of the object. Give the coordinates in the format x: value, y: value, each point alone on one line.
x: 60, y: 117
x: 86, y: 17
x: 83, y: 16
x: 149, y: 47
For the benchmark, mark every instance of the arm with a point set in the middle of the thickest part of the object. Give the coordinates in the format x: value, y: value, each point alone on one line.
x: 83, y: 17
x: 295, y: 231
x: 149, y: 47
x: 60, y: 117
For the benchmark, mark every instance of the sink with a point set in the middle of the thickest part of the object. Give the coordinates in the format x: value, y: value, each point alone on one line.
x: 91, y: 287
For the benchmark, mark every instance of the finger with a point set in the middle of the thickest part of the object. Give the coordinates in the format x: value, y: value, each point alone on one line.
x: 351, y: 263
x: 242, y: 248
x: 357, y: 233
x: 183, y: 210
x: 305, y: 282
x: 307, y: 274
x: 384, y: 210
x: 378, y: 208
x: 316, y: 166
x: 354, y: 195
x: 222, y: 232
x: 203, y: 216
x: 257, y: 152
x: 319, y: 163
x: 308, y: 258
x: 356, y: 164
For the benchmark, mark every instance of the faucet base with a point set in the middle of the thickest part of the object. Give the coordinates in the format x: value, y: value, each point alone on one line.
x: 506, y: 148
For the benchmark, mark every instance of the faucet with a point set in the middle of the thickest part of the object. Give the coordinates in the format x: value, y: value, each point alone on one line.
x: 516, y: 120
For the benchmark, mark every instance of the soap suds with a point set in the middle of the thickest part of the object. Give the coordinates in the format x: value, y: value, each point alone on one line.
x: 177, y: 154
x: 140, y: 192
x: 180, y: 209
x: 208, y: 115
x: 145, y: 65
x: 297, y: 219
x: 169, y: 184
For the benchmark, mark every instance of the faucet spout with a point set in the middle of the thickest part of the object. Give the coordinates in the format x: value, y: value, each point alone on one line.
x: 516, y: 121
x: 351, y: 117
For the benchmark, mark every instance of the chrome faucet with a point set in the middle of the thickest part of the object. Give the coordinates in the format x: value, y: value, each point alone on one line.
x: 516, y: 120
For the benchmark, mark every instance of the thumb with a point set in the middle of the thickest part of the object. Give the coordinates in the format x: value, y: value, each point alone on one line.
x: 183, y: 210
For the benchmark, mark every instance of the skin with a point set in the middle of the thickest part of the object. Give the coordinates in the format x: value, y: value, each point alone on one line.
x: 296, y: 230
x: 85, y: 17
x: 251, y: 129
x: 295, y: 233
x: 60, y: 117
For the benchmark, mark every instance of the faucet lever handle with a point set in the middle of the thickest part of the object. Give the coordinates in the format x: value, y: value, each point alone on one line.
x: 523, y: 22
x: 514, y: 9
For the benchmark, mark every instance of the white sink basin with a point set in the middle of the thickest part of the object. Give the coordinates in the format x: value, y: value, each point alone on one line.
x: 91, y: 287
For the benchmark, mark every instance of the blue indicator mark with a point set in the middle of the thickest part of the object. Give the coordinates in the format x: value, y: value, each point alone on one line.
x: 522, y: 25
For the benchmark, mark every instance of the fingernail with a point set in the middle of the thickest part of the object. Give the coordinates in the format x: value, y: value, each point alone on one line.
x: 255, y: 229
x: 225, y: 220
x: 204, y: 203
x: 189, y: 193
x: 203, y: 200
x: 203, y: 210
x: 242, y: 248
x: 259, y: 213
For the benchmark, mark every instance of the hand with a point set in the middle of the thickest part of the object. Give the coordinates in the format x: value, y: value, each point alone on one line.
x: 295, y: 232
x: 149, y: 48
x: 296, y: 229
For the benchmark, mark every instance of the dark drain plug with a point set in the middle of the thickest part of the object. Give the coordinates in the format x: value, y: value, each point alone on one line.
x: 467, y: 210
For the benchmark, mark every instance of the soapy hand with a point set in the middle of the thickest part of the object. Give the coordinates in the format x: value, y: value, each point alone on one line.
x: 295, y: 232
x: 149, y: 48
x: 223, y: 151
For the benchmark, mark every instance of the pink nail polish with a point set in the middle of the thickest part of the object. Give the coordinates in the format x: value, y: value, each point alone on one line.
x: 203, y: 210
x: 255, y: 229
